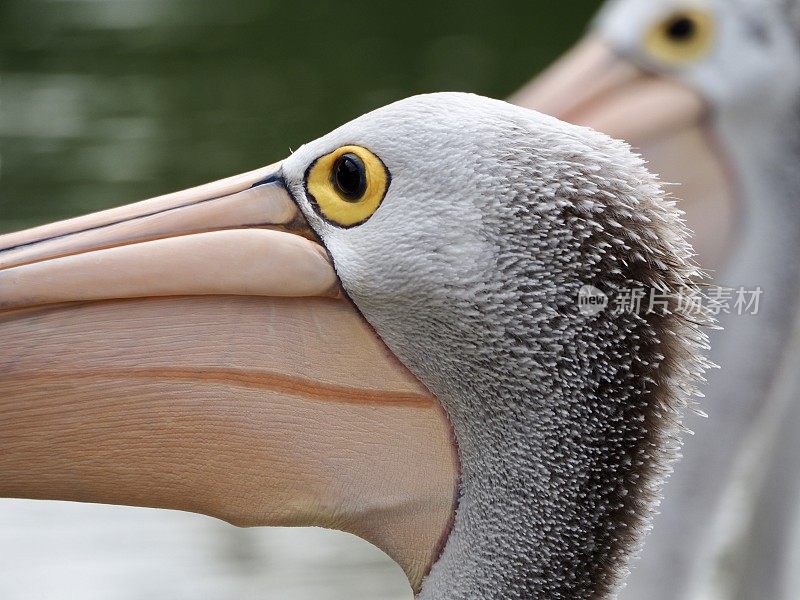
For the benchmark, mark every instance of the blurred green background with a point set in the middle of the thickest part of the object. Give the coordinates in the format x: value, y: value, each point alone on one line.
x: 103, y: 102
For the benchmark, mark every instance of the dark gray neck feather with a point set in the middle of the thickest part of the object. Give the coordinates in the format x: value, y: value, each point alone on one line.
x: 564, y: 422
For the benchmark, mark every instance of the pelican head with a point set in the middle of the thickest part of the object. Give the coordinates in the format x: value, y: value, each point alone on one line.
x: 740, y: 56
x: 461, y: 229
x: 676, y: 62
x: 708, y: 90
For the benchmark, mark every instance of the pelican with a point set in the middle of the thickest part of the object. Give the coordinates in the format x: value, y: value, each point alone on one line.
x: 710, y: 91
x: 379, y: 334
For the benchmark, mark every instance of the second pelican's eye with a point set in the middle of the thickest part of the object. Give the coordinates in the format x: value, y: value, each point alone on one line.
x: 681, y: 28
x: 682, y: 37
x: 347, y: 185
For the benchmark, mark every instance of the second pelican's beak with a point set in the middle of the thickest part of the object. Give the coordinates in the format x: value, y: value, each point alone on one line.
x: 664, y: 119
x: 194, y: 352
x: 593, y: 85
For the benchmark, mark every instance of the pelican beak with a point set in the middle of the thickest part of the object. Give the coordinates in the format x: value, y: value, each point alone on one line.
x: 592, y: 85
x: 665, y: 120
x: 195, y: 352
x: 236, y: 237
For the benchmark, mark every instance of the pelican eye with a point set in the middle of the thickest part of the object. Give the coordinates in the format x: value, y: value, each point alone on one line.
x: 350, y: 177
x: 681, y: 29
x: 347, y: 186
x: 682, y: 37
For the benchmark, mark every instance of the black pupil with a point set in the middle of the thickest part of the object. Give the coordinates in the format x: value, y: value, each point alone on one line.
x: 350, y: 177
x: 681, y: 29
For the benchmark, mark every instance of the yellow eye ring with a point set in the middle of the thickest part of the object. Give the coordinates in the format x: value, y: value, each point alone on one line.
x: 683, y: 37
x: 347, y: 185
